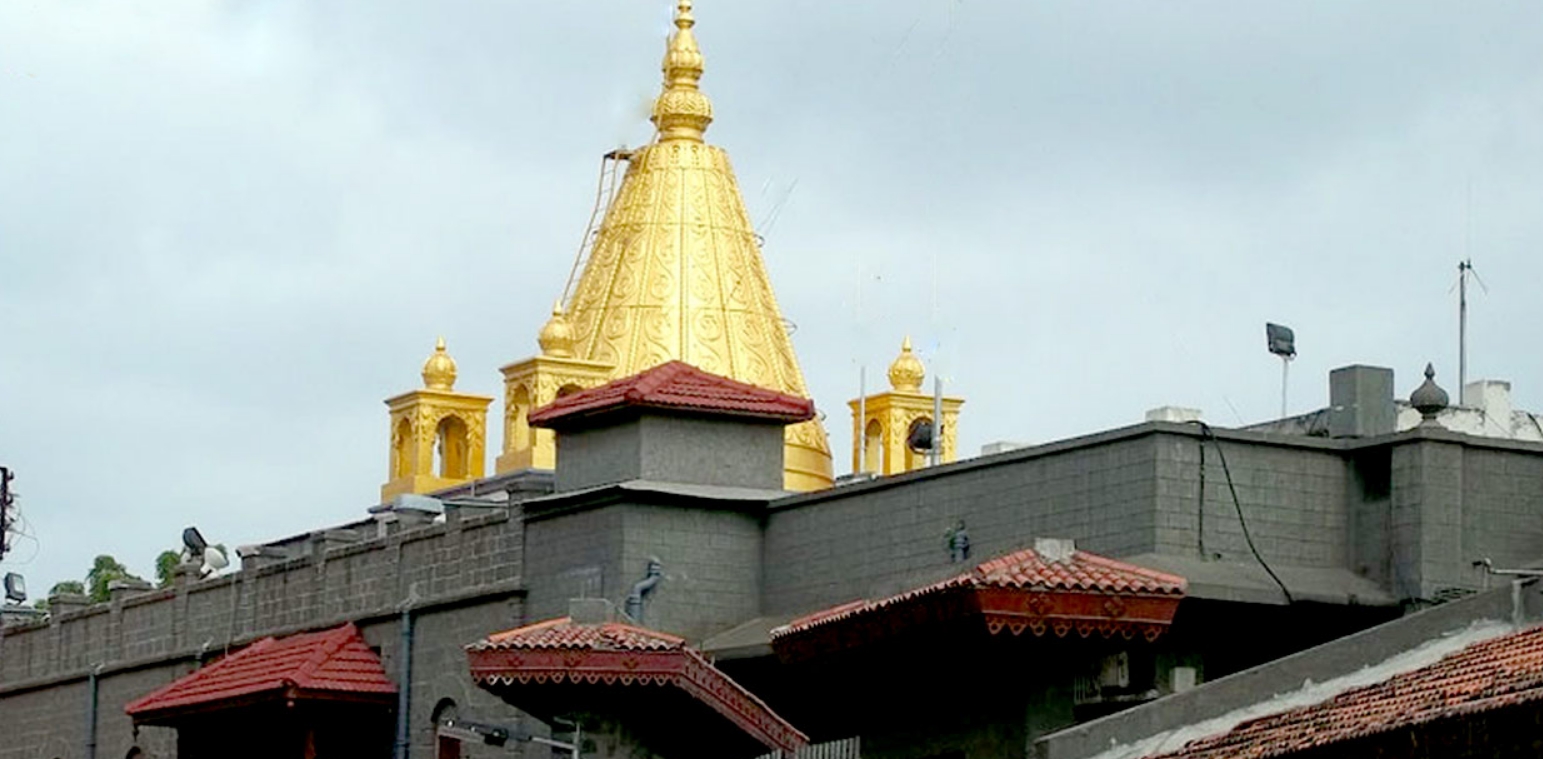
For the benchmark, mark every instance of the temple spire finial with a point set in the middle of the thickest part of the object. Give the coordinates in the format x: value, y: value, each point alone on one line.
x: 682, y: 111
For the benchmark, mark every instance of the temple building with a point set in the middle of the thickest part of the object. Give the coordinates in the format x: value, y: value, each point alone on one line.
x: 663, y: 565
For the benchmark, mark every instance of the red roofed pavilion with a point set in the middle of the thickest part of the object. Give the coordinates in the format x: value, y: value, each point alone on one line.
x: 321, y: 689
x: 649, y: 687
x: 1055, y: 589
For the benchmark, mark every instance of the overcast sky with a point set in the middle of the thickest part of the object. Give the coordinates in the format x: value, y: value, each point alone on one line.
x: 228, y: 230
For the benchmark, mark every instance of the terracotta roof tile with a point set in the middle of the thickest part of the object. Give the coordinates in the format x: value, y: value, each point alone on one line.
x: 1020, y: 570
x: 1499, y: 672
x: 677, y: 386
x: 336, y: 661
x: 563, y: 633
x: 615, y: 654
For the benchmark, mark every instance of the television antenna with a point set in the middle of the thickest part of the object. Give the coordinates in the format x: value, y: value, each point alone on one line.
x: 1464, y: 271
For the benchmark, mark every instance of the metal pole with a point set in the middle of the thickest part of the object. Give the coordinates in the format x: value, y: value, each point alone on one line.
x: 862, y: 419
x: 937, y: 420
x: 1285, y: 373
x: 405, y: 683
x: 1462, y: 328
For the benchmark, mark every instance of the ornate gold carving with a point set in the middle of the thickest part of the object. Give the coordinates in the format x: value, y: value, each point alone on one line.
x: 675, y: 272
x: 411, y: 461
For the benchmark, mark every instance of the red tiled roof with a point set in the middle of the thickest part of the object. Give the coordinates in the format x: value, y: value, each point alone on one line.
x: 1021, y: 570
x: 1491, y: 674
x: 610, y: 654
x: 334, y: 662
x: 677, y: 386
x: 562, y: 633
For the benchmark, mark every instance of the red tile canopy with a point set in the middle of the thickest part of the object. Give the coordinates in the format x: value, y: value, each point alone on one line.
x: 680, y: 387
x: 650, y: 677
x: 1055, y: 590
x: 333, y: 665
x: 1485, y: 677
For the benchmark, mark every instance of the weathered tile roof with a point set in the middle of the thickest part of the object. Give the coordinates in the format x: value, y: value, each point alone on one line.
x: 336, y: 661
x: 1020, y: 570
x: 563, y: 633
x: 618, y: 655
x: 1495, y: 673
x: 677, y: 386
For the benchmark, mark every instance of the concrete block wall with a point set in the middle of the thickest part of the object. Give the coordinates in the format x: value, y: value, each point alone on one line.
x: 711, y: 558
x: 1293, y: 494
x: 471, y: 565
x: 1457, y: 500
x: 712, y: 566
x: 882, y: 537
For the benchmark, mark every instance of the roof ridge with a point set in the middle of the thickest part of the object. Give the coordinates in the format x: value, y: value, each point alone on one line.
x: 331, y: 641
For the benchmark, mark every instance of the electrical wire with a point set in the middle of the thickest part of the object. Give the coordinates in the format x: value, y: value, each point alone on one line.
x: 1207, y: 433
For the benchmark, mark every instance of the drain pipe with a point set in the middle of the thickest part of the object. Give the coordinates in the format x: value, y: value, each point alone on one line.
x: 94, y: 685
x: 643, y: 588
x: 404, y: 680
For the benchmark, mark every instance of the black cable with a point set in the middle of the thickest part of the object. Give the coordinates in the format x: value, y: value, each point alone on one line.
x: 1207, y: 432
x: 1200, y: 505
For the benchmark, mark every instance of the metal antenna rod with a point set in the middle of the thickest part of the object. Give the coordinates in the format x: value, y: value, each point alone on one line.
x: 936, y: 454
x: 1463, y: 267
x: 862, y: 419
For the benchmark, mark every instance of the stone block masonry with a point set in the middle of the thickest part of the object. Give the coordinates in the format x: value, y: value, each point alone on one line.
x: 465, y: 577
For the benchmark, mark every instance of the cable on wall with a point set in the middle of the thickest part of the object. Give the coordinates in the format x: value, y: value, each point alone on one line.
x: 1207, y: 433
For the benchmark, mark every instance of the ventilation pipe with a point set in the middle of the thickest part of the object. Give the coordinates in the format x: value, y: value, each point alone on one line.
x: 643, y: 588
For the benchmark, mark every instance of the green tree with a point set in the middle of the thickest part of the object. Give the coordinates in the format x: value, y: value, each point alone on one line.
x: 104, y: 570
x: 166, y: 568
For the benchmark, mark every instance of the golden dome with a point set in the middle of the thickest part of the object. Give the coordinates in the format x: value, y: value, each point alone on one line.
x: 682, y: 111
x: 906, y: 373
x: 556, y: 338
x: 439, y: 370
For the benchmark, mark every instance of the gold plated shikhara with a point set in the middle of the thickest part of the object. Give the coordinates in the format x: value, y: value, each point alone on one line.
x: 438, y: 436
x: 675, y: 272
x: 881, y: 423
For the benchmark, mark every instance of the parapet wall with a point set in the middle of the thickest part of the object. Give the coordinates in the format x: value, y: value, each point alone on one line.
x: 332, y: 583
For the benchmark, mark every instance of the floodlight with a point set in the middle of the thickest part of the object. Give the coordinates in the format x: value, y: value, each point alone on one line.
x: 1280, y: 340
x: 15, y: 588
x: 194, y: 542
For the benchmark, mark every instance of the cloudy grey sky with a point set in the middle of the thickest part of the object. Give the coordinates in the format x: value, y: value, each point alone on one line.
x: 229, y: 229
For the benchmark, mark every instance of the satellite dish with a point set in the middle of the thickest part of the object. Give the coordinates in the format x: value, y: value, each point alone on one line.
x: 919, y: 437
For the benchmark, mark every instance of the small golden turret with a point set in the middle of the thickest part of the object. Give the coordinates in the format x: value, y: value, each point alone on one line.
x: 438, y: 435
x: 556, y: 338
x: 906, y: 373
x: 439, y: 370
x: 883, y: 423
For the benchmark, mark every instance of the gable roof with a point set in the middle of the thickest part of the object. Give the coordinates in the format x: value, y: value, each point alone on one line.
x: 335, y: 663
x: 680, y: 387
x: 1492, y: 674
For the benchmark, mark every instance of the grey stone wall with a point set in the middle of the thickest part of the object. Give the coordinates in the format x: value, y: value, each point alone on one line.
x: 711, y: 558
x: 861, y: 541
x: 1292, y: 494
x: 667, y: 448
x: 712, y: 452
x: 1455, y: 501
x: 466, y: 575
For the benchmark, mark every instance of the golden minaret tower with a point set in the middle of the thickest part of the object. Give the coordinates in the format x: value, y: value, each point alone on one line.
x: 882, y: 422
x: 438, y: 436
x: 674, y: 273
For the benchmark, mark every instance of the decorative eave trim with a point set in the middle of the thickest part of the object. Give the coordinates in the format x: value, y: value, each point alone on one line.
x: 682, y: 668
